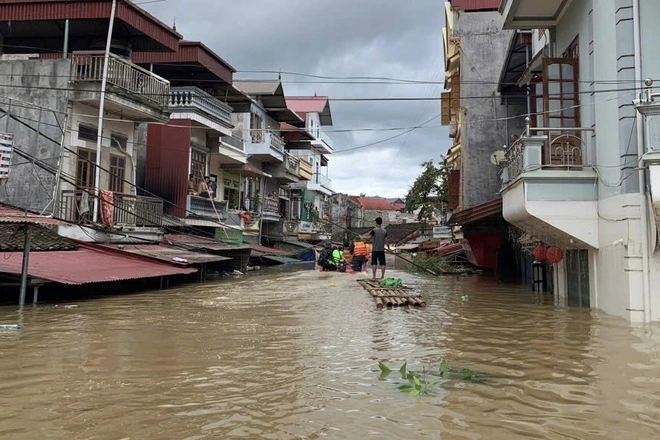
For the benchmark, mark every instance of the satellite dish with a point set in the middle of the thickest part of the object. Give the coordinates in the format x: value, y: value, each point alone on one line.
x: 498, y: 157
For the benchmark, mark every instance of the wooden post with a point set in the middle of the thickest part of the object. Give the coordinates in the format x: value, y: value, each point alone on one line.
x: 26, y: 262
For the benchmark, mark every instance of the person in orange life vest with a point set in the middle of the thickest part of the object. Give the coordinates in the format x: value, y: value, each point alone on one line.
x: 359, y: 254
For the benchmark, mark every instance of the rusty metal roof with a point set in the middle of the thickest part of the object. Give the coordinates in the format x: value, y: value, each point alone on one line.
x: 169, y: 254
x: 24, y: 22
x: 88, y: 264
x: 259, y: 251
x: 476, y: 5
x: 478, y: 212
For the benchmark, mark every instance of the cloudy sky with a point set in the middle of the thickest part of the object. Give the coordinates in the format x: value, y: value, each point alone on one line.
x: 339, y: 38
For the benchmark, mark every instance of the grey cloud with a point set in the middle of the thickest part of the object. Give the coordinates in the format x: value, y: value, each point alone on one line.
x: 338, y: 38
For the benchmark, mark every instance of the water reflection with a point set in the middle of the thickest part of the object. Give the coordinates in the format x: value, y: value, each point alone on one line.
x: 293, y: 355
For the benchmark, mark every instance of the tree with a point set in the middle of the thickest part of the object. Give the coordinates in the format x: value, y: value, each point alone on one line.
x: 430, y: 190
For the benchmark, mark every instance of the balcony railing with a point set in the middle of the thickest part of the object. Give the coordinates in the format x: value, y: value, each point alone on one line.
x: 205, y: 207
x: 122, y: 74
x: 128, y: 210
x: 271, y: 206
x: 322, y: 180
x: 233, y: 142
x: 545, y: 148
x: 292, y: 164
x: 276, y: 142
x: 192, y: 98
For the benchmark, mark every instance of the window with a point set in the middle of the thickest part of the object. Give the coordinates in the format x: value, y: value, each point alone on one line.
x: 118, y: 141
x: 256, y: 128
x: 87, y: 133
x: 117, y: 173
x: 197, y: 165
x: 86, y: 168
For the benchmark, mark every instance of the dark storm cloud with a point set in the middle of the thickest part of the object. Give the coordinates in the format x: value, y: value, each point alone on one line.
x: 384, y: 38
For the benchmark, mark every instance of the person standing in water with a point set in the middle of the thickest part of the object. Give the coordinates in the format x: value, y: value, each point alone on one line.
x: 378, y: 242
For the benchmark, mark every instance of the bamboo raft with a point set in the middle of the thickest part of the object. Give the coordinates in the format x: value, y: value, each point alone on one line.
x: 392, y: 296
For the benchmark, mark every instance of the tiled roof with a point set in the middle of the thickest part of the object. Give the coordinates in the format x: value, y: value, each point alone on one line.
x: 13, y: 215
x: 375, y: 204
x: 12, y: 239
x: 311, y: 104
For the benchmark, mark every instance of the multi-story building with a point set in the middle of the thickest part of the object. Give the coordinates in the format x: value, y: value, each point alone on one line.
x: 67, y: 151
x: 311, y: 198
x: 475, y: 48
x: 581, y: 177
x: 198, y: 141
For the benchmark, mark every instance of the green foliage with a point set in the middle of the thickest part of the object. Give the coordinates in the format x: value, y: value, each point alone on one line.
x: 315, y: 216
x: 429, y: 190
x: 426, y: 384
x: 434, y: 263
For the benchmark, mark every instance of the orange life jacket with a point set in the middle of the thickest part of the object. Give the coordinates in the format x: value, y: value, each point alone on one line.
x: 360, y: 249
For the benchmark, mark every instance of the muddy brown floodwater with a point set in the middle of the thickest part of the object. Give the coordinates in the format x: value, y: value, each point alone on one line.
x: 295, y: 355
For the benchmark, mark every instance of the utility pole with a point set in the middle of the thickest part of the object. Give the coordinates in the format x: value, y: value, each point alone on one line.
x: 26, y: 263
x: 99, y: 136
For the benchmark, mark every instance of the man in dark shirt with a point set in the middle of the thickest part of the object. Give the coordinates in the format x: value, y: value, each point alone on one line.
x: 378, y: 242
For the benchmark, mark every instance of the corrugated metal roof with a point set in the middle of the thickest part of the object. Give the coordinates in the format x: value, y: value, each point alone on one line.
x: 260, y: 251
x: 476, y: 5
x: 479, y: 212
x: 169, y: 254
x: 160, y: 35
x: 266, y: 87
x: 89, y: 264
x: 189, y: 52
x: 311, y: 104
x: 13, y: 215
x: 197, y: 242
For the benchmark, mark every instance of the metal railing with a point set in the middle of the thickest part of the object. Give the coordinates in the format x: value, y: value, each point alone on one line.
x: 327, y: 139
x: 205, y: 207
x: 128, y: 210
x: 271, y: 206
x: 122, y: 74
x: 197, y: 99
x: 546, y: 148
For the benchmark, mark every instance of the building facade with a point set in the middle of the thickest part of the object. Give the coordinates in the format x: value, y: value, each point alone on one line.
x: 579, y: 179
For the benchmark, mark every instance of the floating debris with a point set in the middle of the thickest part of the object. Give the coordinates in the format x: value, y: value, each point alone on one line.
x: 10, y: 327
x: 392, y: 296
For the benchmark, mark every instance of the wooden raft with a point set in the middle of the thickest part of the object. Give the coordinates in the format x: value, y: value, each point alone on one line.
x: 392, y: 296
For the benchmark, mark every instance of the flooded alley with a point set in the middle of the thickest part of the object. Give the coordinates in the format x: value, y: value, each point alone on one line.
x: 295, y: 356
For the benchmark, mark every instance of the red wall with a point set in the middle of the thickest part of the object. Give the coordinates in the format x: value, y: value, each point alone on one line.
x: 166, y: 171
x: 485, y: 247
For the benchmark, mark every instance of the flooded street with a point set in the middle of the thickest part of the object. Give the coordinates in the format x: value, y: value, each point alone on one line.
x: 295, y: 356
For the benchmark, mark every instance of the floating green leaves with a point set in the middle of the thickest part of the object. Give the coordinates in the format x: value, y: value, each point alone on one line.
x: 427, y: 383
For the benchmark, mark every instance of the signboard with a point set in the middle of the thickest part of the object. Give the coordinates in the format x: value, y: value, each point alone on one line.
x: 305, y: 227
x: 6, y: 150
x: 231, y: 236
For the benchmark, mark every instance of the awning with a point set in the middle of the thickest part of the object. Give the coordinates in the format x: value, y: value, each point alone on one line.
x: 280, y: 259
x: 261, y: 251
x: 89, y: 264
x: 196, y: 242
x: 246, y: 170
x: 479, y: 212
x: 169, y: 254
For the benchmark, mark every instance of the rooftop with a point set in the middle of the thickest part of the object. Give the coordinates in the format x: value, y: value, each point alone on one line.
x: 375, y: 204
x: 311, y: 104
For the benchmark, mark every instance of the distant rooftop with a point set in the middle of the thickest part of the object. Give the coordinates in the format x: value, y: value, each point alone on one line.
x: 311, y: 104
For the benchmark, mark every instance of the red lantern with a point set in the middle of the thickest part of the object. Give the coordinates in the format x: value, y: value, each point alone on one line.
x: 554, y: 254
x: 540, y: 253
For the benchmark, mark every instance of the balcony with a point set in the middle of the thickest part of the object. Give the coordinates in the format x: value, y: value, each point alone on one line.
x: 128, y: 211
x: 287, y: 171
x: 533, y: 14
x: 323, y: 143
x: 306, y: 170
x: 320, y: 183
x: 549, y: 191
x: 202, y: 211
x: 266, y: 146
x: 270, y: 209
x: 132, y: 91
x: 197, y: 105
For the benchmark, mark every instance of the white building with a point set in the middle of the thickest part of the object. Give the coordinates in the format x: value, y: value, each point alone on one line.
x: 577, y: 178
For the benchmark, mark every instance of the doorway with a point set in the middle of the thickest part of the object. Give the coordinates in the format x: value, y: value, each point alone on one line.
x: 577, y: 278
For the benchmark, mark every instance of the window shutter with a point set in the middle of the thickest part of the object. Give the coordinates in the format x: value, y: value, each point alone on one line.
x: 454, y: 185
x: 446, y: 108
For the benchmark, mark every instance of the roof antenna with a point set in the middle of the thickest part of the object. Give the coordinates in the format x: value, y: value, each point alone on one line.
x: 174, y: 25
x: 279, y: 75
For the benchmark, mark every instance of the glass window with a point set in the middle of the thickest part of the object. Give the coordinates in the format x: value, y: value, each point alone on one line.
x: 86, y: 168
x: 87, y: 133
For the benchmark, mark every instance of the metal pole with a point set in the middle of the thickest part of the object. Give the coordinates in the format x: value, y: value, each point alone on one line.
x: 26, y: 262
x: 99, y: 136
x: 35, y: 295
x: 644, y: 211
x: 8, y: 117
x: 65, y: 50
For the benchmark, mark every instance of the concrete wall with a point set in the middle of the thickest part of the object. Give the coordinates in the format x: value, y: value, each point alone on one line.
x: 484, y: 48
x: 86, y: 115
x: 38, y: 116
x: 369, y: 217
